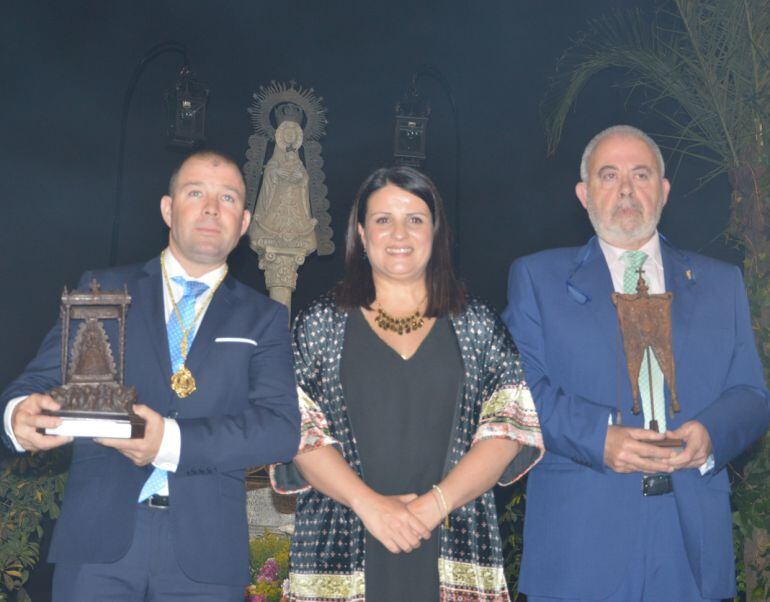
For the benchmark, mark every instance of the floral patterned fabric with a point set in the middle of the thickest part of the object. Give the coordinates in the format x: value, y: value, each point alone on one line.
x: 327, y: 553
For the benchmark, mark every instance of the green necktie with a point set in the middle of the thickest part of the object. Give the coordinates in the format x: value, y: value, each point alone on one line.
x: 634, y: 260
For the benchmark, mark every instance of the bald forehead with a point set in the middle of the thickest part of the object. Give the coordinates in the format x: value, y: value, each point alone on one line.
x: 617, y: 146
x: 213, y: 160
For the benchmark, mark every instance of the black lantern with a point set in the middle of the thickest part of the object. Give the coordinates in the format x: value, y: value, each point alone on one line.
x: 409, y: 139
x: 186, y: 105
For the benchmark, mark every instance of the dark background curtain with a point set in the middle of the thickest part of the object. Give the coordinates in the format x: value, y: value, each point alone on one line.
x: 65, y: 66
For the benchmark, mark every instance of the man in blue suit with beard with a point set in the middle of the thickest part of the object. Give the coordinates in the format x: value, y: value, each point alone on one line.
x: 611, y: 515
x: 163, y: 518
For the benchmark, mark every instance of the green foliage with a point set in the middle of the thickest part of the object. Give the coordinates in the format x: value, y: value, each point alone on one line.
x: 750, y: 524
x: 512, y: 527
x: 704, y: 67
x: 708, y: 56
x: 268, y: 590
x: 269, y: 545
x: 267, y: 580
x: 31, y: 487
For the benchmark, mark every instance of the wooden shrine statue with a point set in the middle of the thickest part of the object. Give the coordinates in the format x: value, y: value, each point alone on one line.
x: 94, y: 400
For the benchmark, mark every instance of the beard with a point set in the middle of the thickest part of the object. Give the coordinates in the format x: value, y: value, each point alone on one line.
x: 622, y: 231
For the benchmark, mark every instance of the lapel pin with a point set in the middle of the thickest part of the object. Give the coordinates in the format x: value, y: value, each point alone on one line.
x: 688, y: 274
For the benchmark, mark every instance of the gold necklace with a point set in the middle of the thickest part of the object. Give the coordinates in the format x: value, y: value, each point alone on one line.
x: 182, y: 381
x: 408, y: 324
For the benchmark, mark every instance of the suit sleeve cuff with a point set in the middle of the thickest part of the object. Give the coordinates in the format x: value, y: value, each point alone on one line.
x: 170, y: 447
x: 9, y: 408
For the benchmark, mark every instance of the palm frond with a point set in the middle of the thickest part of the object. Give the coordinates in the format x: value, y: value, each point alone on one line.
x: 710, y: 57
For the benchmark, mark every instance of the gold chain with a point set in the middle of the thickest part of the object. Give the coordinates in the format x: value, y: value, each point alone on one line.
x: 408, y: 324
x: 182, y: 381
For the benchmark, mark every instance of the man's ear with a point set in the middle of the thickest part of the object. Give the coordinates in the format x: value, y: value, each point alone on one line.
x: 245, y: 221
x: 581, y: 190
x: 666, y: 189
x: 165, y: 208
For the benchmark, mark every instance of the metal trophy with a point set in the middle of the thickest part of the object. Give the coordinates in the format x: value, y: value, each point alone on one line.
x: 645, y: 323
x: 94, y: 401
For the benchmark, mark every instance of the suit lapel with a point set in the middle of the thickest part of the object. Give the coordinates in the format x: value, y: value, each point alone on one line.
x: 681, y: 282
x: 148, y: 302
x: 590, y: 284
x: 591, y: 275
x: 215, y: 315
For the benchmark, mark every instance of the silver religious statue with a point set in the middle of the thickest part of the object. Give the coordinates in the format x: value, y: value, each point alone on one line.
x: 288, y: 197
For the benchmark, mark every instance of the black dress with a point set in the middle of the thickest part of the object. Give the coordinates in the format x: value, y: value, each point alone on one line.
x: 401, y: 411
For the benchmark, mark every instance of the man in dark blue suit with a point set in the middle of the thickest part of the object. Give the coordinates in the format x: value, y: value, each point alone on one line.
x: 610, y: 514
x: 163, y: 518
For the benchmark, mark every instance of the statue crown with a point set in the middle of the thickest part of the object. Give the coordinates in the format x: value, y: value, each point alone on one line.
x: 288, y: 111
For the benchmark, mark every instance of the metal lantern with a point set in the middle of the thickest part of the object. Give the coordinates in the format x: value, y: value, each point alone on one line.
x: 409, y: 139
x: 186, y: 105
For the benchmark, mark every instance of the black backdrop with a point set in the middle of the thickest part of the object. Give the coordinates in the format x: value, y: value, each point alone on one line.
x: 64, y: 68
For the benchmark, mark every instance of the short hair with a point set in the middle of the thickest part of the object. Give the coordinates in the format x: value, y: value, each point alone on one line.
x: 620, y: 130
x: 203, y: 154
x: 446, y: 294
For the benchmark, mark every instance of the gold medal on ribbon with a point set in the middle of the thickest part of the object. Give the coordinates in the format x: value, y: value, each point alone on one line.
x: 183, y: 382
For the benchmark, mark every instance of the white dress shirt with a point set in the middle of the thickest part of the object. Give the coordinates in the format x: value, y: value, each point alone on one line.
x: 653, y: 266
x: 171, y: 444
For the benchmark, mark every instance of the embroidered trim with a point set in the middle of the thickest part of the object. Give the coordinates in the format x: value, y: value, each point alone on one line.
x: 314, y: 433
x: 467, y: 581
x: 450, y: 595
x: 510, y: 414
x: 310, y: 587
x: 512, y: 409
x: 314, y: 429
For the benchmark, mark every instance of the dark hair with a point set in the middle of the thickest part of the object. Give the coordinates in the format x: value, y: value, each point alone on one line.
x: 203, y: 154
x: 446, y: 294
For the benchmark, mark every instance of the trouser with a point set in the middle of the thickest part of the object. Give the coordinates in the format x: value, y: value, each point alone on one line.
x: 659, y: 570
x: 149, y: 572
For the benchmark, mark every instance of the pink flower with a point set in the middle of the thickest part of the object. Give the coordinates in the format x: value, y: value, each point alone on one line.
x: 269, y: 571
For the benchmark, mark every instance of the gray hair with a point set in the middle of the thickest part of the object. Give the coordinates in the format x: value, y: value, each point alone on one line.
x: 620, y: 130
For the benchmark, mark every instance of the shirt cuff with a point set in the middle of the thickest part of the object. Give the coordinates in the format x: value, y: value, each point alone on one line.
x: 9, y: 408
x: 170, y: 447
x: 707, y: 466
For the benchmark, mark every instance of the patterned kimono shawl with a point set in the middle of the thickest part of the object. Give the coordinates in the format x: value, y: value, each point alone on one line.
x: 327, y: 552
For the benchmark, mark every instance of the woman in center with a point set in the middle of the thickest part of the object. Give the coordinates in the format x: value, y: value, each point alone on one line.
x: 414, y: 405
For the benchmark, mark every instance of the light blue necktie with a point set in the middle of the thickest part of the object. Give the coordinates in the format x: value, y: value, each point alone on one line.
x: 634, y: 260
x: 186, y: 305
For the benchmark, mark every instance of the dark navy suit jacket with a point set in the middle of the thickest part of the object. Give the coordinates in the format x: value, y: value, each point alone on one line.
x: 244, y: 413
x: 581, y: 516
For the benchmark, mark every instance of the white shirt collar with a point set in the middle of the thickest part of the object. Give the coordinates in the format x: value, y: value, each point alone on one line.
x: 651, y: 247
x: 174, y: 268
